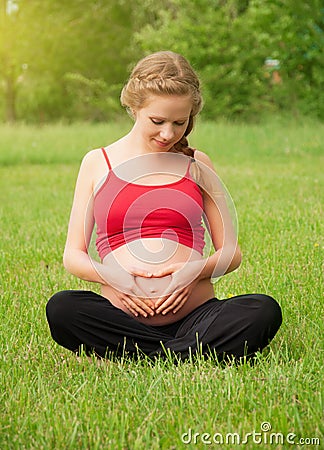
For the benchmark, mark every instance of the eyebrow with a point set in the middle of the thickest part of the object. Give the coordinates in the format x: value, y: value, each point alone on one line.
x: 180, y: 119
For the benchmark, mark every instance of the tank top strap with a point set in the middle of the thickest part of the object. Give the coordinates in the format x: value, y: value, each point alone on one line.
x: 106, y: 157
x: 191, y: 160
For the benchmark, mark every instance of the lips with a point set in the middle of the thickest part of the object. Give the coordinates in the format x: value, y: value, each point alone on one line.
x: 162, y: 144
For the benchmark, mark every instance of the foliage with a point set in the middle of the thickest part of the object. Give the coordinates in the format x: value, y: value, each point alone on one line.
x: 92, y: 99
x: 52, y: 39
x: 43, y: 42
x: 229, y: 44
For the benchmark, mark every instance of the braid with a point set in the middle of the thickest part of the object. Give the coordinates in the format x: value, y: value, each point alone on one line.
x: 182, y: 146
x: 164, y: 73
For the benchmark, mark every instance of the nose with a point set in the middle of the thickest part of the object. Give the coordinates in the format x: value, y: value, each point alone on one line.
x: 167, y: 132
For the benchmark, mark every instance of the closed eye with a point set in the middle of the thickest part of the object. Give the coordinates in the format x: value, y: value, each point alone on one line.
x: 160, y: 122
x: 157, y: 122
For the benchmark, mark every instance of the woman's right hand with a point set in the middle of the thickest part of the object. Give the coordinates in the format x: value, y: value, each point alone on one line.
x: 130, y: 294
x: 135, y: 305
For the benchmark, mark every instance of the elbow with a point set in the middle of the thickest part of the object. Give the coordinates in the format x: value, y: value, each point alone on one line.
x: 67, y: 263
x: 235, y: 260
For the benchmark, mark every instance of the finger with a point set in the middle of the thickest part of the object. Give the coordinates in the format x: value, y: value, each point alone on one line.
x: 163, y: 272
x: 130, y: 309
x: 164, y: 304
x: 142, y: 300
x: 138, y: 293
x: 178, y: 300
x: 168, y: 303
x: 160, y: 301
x: 135, y: 307
x: 136, y: 272
x: 142, y: 305
x: 170, y: 292
x: 180, y: 304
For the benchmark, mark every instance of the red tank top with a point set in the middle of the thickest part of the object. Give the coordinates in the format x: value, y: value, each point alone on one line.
x: 127, y: 211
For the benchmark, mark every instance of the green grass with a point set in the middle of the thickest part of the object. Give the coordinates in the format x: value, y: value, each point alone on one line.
x: 49, y: 400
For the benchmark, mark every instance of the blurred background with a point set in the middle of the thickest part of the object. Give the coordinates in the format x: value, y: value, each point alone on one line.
x: 67, y: 61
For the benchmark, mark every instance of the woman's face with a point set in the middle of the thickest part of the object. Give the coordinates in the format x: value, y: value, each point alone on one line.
x: 162, y: 121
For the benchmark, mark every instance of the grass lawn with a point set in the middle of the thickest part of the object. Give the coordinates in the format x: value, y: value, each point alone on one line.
x: 49, y: 400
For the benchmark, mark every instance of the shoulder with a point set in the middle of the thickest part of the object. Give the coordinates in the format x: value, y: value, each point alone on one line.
x: 92, y: 158
x: 93, y: 164
x: 204, y: 159
x: 204, y: 172
x: 92, y: 168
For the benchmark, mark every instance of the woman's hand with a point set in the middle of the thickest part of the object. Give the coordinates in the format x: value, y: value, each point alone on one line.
x: 136, y: 305
x: 184, y: 278
x: 132, y: 296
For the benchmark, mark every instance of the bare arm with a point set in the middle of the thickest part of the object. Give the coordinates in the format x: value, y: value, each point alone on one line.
x: 76, y: 259
x: 227, y: 256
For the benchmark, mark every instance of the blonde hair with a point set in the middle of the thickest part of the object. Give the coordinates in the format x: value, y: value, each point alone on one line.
x: 164, y: 73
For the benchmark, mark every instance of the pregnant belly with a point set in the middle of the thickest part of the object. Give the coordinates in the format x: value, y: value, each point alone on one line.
x: 154, y: 288
x: 152, y: 255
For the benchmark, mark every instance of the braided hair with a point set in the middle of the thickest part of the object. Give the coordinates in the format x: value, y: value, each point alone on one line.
x: 164, y: 73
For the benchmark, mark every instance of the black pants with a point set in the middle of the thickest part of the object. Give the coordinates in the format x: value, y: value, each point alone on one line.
x: 235, y: 327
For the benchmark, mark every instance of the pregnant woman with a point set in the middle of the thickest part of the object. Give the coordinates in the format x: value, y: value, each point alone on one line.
x: 152, y: 200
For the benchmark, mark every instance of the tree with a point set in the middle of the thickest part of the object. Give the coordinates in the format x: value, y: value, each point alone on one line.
x: 293, y: 32
x: 11, y: 66
x: 229, y: 44
x: 52, y: 50
x: 69, y: 60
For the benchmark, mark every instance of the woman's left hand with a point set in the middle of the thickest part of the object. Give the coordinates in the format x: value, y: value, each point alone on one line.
x: 184, y: 278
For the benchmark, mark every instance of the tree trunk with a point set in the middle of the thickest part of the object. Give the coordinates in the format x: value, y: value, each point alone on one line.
x: 10, y: 98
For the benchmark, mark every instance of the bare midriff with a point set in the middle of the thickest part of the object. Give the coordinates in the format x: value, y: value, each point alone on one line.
x: 152, y: 255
